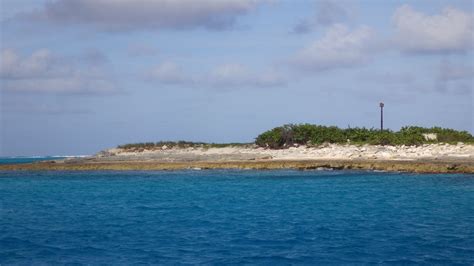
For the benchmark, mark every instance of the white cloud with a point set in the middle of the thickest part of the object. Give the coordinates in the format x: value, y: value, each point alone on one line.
x: 338, y: 48
x: 43, y: 71
x: 120, y: 15
x: 223, y: 76
x: 450, y: 31
x: 38, y: 64
x: 328, y: 12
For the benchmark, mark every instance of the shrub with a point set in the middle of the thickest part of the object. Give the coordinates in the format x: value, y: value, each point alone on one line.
x: 359, y: 135
x: 278, y: 137
x: 287, y: 135
x: 451, y: 135
x: 385, y: 137
x: 290, y: 134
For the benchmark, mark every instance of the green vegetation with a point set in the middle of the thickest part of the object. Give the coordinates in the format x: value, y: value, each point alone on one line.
x: 307, y: 134
x: 178, y: 144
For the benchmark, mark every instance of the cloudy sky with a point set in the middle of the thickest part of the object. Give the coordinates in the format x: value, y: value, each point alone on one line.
x: 78, y: 76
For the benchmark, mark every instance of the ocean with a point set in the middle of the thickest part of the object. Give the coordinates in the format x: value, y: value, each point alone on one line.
x: 31, y: 159
x: 235, y: 217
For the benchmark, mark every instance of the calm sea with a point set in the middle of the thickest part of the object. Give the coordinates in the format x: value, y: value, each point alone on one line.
x: 234, y: 217
x: 26, y: 159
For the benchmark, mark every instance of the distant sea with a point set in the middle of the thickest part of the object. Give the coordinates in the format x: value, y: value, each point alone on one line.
x: 30, y: 159
x: 235, y: 217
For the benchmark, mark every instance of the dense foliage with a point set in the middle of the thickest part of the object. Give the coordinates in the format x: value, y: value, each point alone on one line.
x: 307, y: 134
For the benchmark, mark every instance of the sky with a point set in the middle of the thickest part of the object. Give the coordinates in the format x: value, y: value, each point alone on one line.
x: 80, y: 76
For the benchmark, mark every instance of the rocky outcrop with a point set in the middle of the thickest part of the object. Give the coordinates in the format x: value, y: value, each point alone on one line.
x: 325, y: 151
x: 420, y: 166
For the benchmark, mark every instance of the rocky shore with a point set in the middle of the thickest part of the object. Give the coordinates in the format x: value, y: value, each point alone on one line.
x: 432, y: 158
x: 327, y: 151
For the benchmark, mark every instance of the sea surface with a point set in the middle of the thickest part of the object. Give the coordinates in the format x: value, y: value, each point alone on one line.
x: 28, y: 159
x: 236, y: 217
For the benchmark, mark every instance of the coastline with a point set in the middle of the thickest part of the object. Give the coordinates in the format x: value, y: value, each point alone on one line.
x: 422, y: 166
x: 434, y: 158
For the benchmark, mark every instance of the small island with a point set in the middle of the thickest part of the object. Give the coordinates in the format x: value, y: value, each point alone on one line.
x: 292, y: 146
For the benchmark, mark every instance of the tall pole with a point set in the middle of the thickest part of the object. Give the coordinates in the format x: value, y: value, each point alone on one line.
x: 381, y: 116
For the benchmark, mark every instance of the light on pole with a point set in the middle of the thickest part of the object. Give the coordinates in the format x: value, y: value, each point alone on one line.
x: 381, y: 116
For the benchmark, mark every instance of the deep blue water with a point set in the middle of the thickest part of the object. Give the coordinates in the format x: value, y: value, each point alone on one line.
x: 228, y: 217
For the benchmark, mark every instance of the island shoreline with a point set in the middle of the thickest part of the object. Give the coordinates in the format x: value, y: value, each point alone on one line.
x: 434, y: 158
x: 413, y: 166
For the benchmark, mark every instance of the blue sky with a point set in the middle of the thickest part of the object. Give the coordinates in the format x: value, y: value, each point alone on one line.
x: 78, y: 76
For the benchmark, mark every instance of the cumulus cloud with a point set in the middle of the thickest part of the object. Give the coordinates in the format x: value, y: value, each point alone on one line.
x: 450, y: 31
x: 328, y: 12
x: 125, y: 15
x: 338, y: 48
x: 223, y: 76
x: 44, y: 71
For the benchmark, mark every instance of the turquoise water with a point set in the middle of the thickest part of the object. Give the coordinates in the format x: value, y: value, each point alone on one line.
x: 233, y: 217
x: 26, y: 159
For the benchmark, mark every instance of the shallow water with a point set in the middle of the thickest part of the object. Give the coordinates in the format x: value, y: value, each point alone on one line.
x: 235, y: 217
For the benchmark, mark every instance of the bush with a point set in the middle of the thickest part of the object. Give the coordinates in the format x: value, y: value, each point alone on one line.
x: 451, y: 135
x: 359, y: 135
x: 385, y: 137
x: 287, y: 135
x: 277, y: 137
